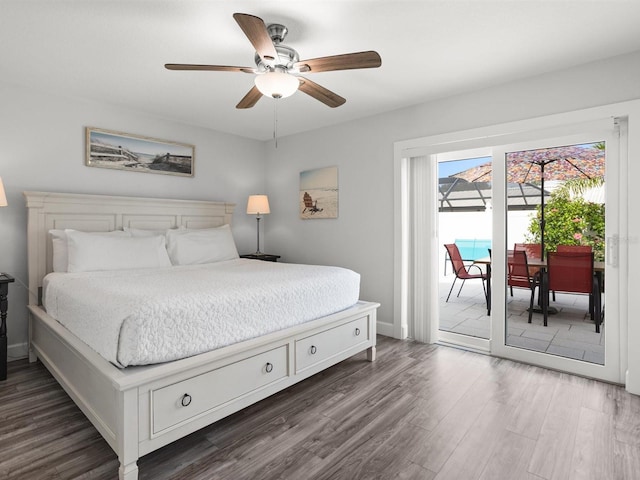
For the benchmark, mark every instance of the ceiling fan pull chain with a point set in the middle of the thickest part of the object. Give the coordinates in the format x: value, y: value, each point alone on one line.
x: 275, y: 121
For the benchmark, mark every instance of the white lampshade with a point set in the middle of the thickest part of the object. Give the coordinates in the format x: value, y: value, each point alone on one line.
x: 277, y: 84
x: 258, y: 205
x: 3, y: 197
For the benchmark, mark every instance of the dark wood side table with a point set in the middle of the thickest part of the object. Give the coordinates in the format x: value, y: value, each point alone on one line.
x: 5, y: 280
x: 261, y: 256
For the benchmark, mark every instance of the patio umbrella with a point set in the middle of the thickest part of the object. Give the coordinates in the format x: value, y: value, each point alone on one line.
x: 536, y: 166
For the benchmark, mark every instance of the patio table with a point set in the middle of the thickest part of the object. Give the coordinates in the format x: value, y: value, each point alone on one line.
x: 598, y: 268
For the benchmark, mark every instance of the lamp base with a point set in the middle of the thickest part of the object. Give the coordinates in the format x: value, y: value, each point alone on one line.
x: 258, y: 235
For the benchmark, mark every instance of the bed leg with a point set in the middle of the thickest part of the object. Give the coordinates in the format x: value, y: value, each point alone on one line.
x: 128, y: 472
x: 371, y: 354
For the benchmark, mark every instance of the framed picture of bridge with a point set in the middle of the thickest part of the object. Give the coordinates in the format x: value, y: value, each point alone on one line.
x: 123, y: 151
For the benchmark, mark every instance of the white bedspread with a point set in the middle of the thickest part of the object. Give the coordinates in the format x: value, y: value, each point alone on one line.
x: 138, y: 317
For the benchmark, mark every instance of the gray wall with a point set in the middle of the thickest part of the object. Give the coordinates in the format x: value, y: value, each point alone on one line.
x: 43, y: 150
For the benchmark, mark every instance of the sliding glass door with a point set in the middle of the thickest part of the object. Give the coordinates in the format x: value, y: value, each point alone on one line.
x: 464, y: 226
x: 506, y: 224
x: 554, y: 264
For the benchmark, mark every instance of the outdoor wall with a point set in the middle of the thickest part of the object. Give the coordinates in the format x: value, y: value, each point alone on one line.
x: 362, y: 237
x: 477, y: 225
x: 43, y: 150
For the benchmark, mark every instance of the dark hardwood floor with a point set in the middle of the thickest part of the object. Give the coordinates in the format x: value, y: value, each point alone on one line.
x: 419, y: 412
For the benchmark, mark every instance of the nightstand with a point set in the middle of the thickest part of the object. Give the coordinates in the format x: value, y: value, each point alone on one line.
x: 5, y: 280
x: 261, y: 256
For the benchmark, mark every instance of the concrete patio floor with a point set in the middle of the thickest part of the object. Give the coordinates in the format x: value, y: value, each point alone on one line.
x: 570, y: 333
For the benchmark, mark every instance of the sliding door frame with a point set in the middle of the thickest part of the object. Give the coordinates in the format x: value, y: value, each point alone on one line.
x: 425, y: 310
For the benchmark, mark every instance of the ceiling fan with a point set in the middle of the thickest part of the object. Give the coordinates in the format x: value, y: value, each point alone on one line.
x: 278, y: 67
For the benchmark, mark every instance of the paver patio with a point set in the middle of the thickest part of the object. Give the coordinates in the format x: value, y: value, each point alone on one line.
x: 570, y: 332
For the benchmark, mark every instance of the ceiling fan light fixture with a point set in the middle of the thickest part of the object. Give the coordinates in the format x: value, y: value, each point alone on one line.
x: 277, y: 84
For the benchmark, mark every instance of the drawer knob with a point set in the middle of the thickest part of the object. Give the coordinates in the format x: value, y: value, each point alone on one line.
x: 186, y: 400
x: 269, y: 367
x: 313, y: 349
x: 357, y: 332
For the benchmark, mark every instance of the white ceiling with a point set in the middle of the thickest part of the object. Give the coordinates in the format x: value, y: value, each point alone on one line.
x: 115, y: 51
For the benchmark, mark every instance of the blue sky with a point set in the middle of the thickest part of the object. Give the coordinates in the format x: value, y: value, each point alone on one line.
x: 446, y: 169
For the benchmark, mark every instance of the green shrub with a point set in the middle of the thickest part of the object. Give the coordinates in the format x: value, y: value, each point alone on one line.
x: 570, y: 222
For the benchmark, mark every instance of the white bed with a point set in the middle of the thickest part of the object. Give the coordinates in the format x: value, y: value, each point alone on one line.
x: 165, y: 314
x: 140, y: 409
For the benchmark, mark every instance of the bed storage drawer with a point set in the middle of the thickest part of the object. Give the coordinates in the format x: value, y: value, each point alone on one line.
x: 174, y: 404
x: 312, y: 350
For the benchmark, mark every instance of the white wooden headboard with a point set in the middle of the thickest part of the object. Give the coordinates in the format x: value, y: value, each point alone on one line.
x: 103, y: 213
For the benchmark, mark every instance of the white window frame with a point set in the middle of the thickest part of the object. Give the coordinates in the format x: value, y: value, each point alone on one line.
x: 515, y: 132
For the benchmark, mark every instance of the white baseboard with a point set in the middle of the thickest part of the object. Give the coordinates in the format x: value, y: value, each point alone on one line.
x: 631, y: 385
x: 17, y: 351
x: 384, y: 328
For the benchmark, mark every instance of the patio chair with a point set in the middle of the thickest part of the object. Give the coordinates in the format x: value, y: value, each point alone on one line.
x: 462, y: 271
x: 572, y: 272
x: 519, y: 275
x: 574, y: 248
x: 533, y: 250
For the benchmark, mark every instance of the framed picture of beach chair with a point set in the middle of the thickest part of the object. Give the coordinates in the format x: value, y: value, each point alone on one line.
x: 123, y: 151
x: 319, y: 193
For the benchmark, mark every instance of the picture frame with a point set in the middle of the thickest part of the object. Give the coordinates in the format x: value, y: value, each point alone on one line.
x: 134, y: 153
x: 318, y: 193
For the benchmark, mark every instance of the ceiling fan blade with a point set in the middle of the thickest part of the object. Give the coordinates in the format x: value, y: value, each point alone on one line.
x: 318, y: 92
x: 256, y: 31
x: 213, y: 68
x: 347, y: 61
x: 250, y: 99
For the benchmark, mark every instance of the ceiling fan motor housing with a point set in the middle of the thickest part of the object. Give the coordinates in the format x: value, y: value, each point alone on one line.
x: 287, y: 56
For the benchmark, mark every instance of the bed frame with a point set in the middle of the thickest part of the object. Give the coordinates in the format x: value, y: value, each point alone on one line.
x: 140, y: 409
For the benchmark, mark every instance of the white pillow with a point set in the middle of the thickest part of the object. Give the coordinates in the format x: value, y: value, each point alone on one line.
x: 139, y: 232
x: 195, y: 246
x: 89, y: 252
x: 59, y: 243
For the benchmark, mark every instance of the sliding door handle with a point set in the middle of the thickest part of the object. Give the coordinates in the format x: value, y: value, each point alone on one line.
x: 613, y: 245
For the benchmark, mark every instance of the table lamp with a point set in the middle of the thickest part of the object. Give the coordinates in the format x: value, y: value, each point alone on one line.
x: 258, y: 205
